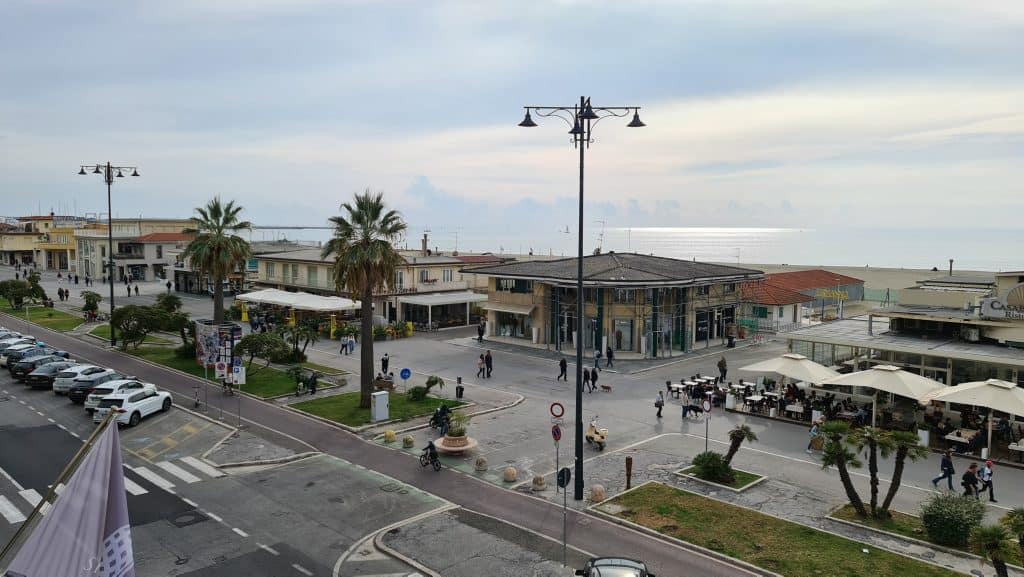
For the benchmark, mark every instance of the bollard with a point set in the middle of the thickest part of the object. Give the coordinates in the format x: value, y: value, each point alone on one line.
x: 629, y: 472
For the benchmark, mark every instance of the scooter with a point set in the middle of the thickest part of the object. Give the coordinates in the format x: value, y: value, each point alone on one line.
x: 595, y: 435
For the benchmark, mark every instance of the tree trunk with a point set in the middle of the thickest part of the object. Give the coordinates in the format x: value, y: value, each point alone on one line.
x: 897, y: 477
x: 366, y: 358
x: 734, y: 445
x: 844, y: 476
x: 873, y: 471
x: 218, y: 299
x: 1000, y: 567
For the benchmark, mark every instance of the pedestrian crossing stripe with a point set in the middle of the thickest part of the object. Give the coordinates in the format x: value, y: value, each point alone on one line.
x: 10, y: 512
x: 178, y: 472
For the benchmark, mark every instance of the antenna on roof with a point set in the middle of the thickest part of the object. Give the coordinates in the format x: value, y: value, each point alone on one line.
x: 600, y: 235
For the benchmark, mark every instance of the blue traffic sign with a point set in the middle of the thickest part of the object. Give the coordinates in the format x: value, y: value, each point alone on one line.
x: 405, y: 374
x: 556, y: 433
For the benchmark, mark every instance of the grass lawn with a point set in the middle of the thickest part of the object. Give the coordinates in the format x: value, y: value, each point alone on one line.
x: 50, y: 318
x: 345, y: 409
x: 740, y: 478
x: 324, y: 369
x: 780, y: 546
x: 903, y: 524
x: 265, y: 383
x: 103, y: 332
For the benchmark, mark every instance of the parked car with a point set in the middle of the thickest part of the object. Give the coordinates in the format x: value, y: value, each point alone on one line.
x: 22, y: 368
x: 21, y: 344
x: 15, y: 357
x: 112, y: 388
x: 84, y: 384
x: 132, y: 407
x: 8, y: 334
x: 614, y: 567
x: 62, y: 382
x: 42, y: 377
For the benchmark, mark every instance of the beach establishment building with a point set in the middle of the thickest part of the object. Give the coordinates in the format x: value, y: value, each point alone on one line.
x: 141, y: 248
x: 429, y: 289
x: 632, y: 302
x: 187, y: 278
x: 953, y: 329
x: 47, y: 240
x: 828, y: 290
x: 768, y: 307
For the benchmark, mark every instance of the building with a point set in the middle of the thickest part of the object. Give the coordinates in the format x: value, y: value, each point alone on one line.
x: 47, y: 240
x: 772, y: 308
x: 187, y: 278
x: 952, y: 329
x: 632, y: 302
x: 828, y: 290
x: 142, y: 248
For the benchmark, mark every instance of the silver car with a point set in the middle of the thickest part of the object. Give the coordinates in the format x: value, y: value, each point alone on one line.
x: 25, y: 346
x: 64, y: 379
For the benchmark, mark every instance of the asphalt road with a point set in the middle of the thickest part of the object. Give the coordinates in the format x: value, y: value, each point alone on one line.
x: 585, y: 531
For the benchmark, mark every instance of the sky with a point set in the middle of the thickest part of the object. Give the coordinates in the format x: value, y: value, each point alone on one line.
x: 760, y: 113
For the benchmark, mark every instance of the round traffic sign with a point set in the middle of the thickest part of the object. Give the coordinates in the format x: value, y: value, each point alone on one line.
x: 707, y: 406
x: 557, y: 410
x: 556, y: 433
x: 405, y: 374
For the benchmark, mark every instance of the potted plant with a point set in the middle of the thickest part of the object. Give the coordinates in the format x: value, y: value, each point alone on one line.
x: 458, y: 422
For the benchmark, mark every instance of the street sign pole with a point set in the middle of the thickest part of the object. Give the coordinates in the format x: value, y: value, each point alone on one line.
x: 565, y: 496
x: 707, y: 420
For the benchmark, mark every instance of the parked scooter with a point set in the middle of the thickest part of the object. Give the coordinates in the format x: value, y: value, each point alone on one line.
x: 595, y: 435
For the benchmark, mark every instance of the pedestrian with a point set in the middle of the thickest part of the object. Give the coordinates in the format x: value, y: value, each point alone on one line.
x: 563, y: 367
x: 384, y: 361
x: 480, y: 332
x: 344, y: 346
x: 722, y: 369
x: 351, y: 344
x: 969, y: 481
x: 597, y: 359
x: 17, y: 276
x: 609, y: 356
x: 813, y: 434
x: 659, y: 402
x: 480, y: 366
x: 129, y: 289
x: 76, y: 279
x: 136, y: 290
x: 684, y: 397
x: 489, y: 362
x: 168, y: 285
x: 593, y: 379
x: 311, y: 384
x: 946, y: 468
x: 586, y: 379
x: 986, y: 481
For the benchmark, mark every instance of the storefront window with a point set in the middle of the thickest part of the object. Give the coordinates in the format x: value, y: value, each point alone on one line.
x: 625, y: 296
x: 513, y: 325
x: 622, y: 336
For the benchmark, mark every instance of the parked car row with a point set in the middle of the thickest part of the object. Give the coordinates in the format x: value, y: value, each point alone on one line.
x: 99, y: 389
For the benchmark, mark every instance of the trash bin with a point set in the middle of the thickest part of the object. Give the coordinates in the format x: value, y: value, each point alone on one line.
x: 459, y: 390
x: 732, y: 342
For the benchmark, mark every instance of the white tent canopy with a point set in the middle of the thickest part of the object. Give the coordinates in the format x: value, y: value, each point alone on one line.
x: 993, y: 394
x: 794, y: 366
x: 299, y: 300
x: 889, y: 379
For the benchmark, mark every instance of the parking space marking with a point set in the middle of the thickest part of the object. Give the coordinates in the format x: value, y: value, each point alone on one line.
x: 40, y: 413
x: 214, y: 517
x: 202, y: 467
x: 154, y: 478
x: 31, y: 408
x: 240, y: 532
x: 31, y: 496
x: 62, y: 426
x: 133, y: 487
x: 302, y: 570
x: 9, y: 511
x: 178, y: 472
x: 270, y: 550
x: 20, y: 401
x: 51, y: 420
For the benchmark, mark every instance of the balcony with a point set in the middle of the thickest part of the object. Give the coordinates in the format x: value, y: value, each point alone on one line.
x: 129, y: 256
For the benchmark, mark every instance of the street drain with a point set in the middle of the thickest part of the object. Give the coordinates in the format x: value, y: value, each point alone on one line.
x: 336, y: 500
x: 190, y: 518
x: 2, y: 399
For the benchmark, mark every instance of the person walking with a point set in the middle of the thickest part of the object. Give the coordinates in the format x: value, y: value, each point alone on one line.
x: 659, y: 402
x: 969, y: 481
x: 986, y: 481
x: 480, y: 332
x: 168, y: 287
x: 344, y: 346
x: 722, y: 369
x: 563, y: 367
x: 384, y: 362
x: 489, y: 363
x: 684, y: 398
x: 480, y: 366
x: 586, y: 379
x: 609, y: 356
x: 593, y: 379
x: 136, y: 290
x: 129, y: 289
x: 351, y: 344
x: 311, y: 384
x: 813, y: 434
x: 76, y: 279
x: 946, y: 468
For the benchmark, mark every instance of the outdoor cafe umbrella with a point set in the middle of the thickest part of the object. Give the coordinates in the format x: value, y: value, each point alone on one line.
x: 889, y: 379
x: 993, y: 394
x: 794, y: 366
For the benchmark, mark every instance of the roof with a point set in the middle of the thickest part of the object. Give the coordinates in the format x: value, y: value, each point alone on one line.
x: 809, y: 279
x: 619, y: 269
x: 762, y: 293
x: 450, y: 298
x: 958, y: 280
x: 480, y: 258
x: 165, y: 237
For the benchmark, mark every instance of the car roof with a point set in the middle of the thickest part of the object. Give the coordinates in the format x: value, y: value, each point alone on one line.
x: 118, y: 382
x: 127, y: 394
x: 617, y: 562
x: 80, y: 367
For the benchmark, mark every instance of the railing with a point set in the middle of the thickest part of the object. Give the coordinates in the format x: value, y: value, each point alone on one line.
x: 129, y: 256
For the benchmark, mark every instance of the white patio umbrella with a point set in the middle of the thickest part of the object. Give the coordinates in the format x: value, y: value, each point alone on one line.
x: 889, y: 379
x: 794, y: 366
x: 993, y: 394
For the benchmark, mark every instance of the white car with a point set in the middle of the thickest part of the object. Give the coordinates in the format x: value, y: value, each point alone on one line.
x: 113, y: 388
x: 132, y: 407
x: 14, y: 348
x: 11, y: 343
x: 64, y: 379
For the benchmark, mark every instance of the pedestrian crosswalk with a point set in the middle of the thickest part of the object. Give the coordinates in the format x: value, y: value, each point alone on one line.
x: 138, y: 482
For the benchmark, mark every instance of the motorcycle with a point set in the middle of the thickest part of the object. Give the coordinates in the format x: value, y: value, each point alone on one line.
x: 429, y: 457
x: 595, y: 435
x: 440, y: 420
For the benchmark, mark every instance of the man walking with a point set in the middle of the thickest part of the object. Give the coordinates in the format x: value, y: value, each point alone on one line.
x: 609, y: 356
x: 586, y: 379
x: 946, y: 467
x: 136, y: 290
x: 562, y: 368
x: 659, y: 402
x: 384, y: 361
x: 480, y: 332
x: 969, y: 481
x: 344, y: 346
x: 489, y: 363
x: 593, y: 379
x: 722, y: 369
x: 986, y: 481
x: 812, y: 433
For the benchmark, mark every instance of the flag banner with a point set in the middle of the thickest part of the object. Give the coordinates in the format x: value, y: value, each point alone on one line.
x: 86, y: 531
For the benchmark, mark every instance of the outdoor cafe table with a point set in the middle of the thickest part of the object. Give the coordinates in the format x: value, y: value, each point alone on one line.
x: 964, y: 436
x: 676, y: 389
x: 770, y: 394
x: 738, y: 387
x: 690, y: 383
x: 799, y: 409
x: 1019, y: 449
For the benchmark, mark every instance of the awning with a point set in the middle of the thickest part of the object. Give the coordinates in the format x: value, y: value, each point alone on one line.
x: 436, y: 299
x: 299, y: 300
x: 509, y: 308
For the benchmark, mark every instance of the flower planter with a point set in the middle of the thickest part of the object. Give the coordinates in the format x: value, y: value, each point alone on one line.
x: 455, y: 441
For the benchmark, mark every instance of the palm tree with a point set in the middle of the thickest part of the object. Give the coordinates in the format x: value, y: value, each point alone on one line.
x: 365, y: 261
x: 1014, y: 521
x: 737, y: 435
x: 907, y: 446
x: 872, y: 441
x: 992, y: 542
x: 168, y: 302
x: 836, y: 454
x: 217, y: 250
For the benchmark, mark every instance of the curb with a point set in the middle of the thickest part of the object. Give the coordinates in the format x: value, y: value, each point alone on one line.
x: 277, y: 461
x: 378, y: 539
x: 514, y: 403
x: 693, y: 477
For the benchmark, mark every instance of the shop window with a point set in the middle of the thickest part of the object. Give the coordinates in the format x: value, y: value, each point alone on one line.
x: 760, y: 312
x: 515, y: 285
x: 782, y: 312
x: 159, y: 251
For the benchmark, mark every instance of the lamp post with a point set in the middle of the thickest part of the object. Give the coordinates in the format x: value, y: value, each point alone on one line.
x: 109, y: 173
x: 581, y: 118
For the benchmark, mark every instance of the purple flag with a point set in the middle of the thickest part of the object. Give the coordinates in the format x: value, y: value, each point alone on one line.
x: 86, y: 531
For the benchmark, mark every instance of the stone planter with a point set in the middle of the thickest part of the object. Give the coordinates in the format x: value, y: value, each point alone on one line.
x: 455, y: 441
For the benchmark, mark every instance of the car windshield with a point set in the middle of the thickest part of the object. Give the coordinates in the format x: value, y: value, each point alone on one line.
x: 66, y: 374
x: 105, y: 403
x: 102, y: 392
x: 615, y: 572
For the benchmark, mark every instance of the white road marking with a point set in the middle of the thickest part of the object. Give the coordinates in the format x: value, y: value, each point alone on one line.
x: 178, y: 472
x: 190, y: 502
x: 20, y: 401
x: 302, y: 570
x: 9, y: 511
x: 240, y: 532
x: 40, y: 413
x: 31, y: 496
x: 154, y: 478
x: 133, y: 487
x: 202, y: 467
x: 214, y: 517
x: 74, y: 434
x: 62, y: 426
x: 51, y: 420
x: 268, y: 549
x: 16, y: 484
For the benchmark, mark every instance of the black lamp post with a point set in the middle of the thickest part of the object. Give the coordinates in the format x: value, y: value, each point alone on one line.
x: 109, y: 174
x: 581, y: 118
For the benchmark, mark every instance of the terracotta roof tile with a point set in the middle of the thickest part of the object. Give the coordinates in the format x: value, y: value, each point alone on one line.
x: 165, y: 237
x: 809, y: 279
x: 762, y: 293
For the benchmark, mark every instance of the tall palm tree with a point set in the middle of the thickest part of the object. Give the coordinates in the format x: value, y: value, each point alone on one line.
x: 907, y: 446
x: 1014, y: 521
x: 837, y: 454
x: 992, y: 542
x: 872, y: 441
x: 737, y: 435
x: 217, y: 250
x: 168, y: 302
x: 365, y: 261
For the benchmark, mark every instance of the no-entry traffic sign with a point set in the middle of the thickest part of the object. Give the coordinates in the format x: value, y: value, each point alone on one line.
x: 557, y: 410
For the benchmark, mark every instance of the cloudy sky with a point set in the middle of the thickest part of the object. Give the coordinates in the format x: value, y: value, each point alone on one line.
x: 778, y: 113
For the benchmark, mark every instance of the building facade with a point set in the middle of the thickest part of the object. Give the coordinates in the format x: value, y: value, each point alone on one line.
x: 767, y: 307
x: 141, y: 248
x: 48, y: 241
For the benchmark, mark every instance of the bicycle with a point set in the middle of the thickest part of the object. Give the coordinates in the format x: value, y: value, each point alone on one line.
x: 228, y: 389
x: 197, y: 401
x: 428, y: 457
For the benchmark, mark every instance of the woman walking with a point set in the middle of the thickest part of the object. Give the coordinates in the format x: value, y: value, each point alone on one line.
x: 480, y: 367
